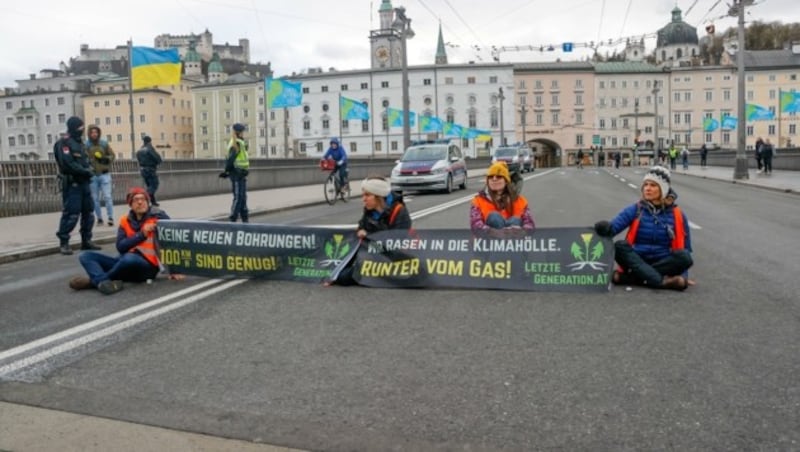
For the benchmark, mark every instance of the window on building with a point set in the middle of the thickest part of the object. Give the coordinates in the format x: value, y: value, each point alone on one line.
x: 612, y: 84
x: 749, y: 130
x: 539, y: 119
x: 326, y: 123
x: 726, y: 95
x: 50, y: 138
x: 709, y: 138
x: 538, y: 100
x: 344, y: 87
x: 450, y: 116
x: 473, y: 118
x: 676, y: 118
x: 709, y: 96
x: 378, y: 146
x: 687, y: 138
x: 602, y: 123
x: 245, y: 98
x: 307, y: 125
x: 602, y: 84
x: 118, y: 103
x: 324, y: 88
x: 353, y: 146
x: 47, y: 119
x: 676, y: 97
x: 613, y: 123
x: 141, y: 101
x: 470, y: 80
x: 493, y: 118
x: 364, y: 85
x: 521, y: 84
x: 579, y: 99
x: 21, y: 140
x: 59, y: 100
x: 772, y: 94
x: 118, y: 119
x: 554, y: 100
x: 625, y: 123
x: 687, y: 118
x: 448, y: 80
x: 10, y: 105
x: 771, y: 129
x: 345, y: 125
x: 613, y: 102
x: 493, y: 79
x: 579, y: 139
x: 792, y: 129
x: 12, y: 142
x: 306, y: 90
x: 749, y: 95
x: 578, y: 117
x: 687, y: 96
x: 538, y: 85
x: 203, y: 130
x: 365, y: 125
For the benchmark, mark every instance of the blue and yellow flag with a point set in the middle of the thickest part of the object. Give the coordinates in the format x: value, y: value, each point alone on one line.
x: 352, y: 109
x: 452, y: 130
x: 430, y: 124
x: 790, y: 102
x: 396, y: 118
x: 283, y: 93
x: 153, y: 67
x: 755, y: 112
x: 710, y: 124
x: 729, y: 122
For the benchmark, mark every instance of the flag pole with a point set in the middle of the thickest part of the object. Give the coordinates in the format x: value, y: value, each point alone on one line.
x: 388, y: 126
x: 340, y: 117
x: 266, y: 117
x: 780, y: 92
x: 130, y: 97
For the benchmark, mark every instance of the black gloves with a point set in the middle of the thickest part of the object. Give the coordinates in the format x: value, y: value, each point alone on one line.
x: 603, y: 228
x: 223, y: 175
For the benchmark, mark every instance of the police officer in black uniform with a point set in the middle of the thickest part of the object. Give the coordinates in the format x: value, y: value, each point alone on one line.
x: 75, y: 173
x: 149, y: 160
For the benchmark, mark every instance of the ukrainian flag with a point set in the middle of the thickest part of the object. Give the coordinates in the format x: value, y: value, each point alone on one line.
x: 153, y: 67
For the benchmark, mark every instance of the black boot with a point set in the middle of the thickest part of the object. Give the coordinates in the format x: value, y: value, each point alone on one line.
x: 89, y: 246
x: 65, y: 249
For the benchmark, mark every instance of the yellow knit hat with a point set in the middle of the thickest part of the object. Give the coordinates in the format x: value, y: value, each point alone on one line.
x: 499, y: 169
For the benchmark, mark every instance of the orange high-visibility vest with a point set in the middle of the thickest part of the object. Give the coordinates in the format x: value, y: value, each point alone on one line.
x: 147, y: 248
x: 486, y: 206
x: 678, y: 242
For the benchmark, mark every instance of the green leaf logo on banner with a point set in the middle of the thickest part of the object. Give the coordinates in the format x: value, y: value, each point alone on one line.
x: 335, y: 250
x: 582, y: 255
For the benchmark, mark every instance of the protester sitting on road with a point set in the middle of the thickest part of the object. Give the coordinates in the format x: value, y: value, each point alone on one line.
x: 657, y: 249
x: 383, y: 210
x: 136, y: 243
x: 498, y: 206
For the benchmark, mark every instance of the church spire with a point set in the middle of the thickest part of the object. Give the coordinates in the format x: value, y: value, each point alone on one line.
x: 441, y: 54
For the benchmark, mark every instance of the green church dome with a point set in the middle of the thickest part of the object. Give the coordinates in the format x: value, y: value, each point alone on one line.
x: 676, y: 32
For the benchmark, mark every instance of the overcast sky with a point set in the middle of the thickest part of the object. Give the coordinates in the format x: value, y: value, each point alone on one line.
x: 297, y: 34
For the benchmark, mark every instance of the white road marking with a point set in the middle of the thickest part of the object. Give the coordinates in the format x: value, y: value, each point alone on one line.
x: 86, y: 339
x: 694, y: 225
x: 89, y: 325
x: 622, y: 179
x: 632, y: 186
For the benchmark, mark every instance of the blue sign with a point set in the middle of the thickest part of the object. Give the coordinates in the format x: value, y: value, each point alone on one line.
x: 567, y: 47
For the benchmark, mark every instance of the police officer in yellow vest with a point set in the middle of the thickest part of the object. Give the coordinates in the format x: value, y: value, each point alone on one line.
x: 236, y: 167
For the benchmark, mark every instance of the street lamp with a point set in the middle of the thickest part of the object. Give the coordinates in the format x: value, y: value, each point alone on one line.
x: 502, y: 136
x: 655, y: 121
x: 636, y: 131
x: 402, y: 24
x: 740, y: 170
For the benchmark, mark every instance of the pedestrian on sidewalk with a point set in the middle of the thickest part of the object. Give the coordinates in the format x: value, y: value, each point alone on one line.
x: 703, y: 156
x: 759, y: 145
x: 384, y: 210
x: 685, y: 157
x: 237, y: 166
x: 138, y: 254
x: 657, y: 249
x: 101, y: 156
x: 617, y: 159
x: 579, y: 159
x: 767, y: 153
x: 673, y: 156
x: 149, y: 160
x: 75, y: 174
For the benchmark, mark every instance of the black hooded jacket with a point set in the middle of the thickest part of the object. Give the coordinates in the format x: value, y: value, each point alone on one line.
x: 70, y: 153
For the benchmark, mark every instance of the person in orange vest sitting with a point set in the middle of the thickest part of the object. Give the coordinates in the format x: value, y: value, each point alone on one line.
x: 136, y: 243
x: 657, y: 250
x: 498, y: 206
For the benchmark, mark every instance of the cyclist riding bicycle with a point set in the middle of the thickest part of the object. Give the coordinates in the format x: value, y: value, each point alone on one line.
x: 337, y: 153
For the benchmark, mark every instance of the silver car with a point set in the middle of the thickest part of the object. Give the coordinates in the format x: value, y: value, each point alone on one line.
x: 430, y: 166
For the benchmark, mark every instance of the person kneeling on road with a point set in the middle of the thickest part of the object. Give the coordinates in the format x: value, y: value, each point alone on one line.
x: 383, y: 210
x: 498, y: 207
x: 136, y: 243
x: 657, y: 249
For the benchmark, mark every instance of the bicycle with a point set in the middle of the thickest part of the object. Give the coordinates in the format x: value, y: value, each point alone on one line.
x: 332, y: 188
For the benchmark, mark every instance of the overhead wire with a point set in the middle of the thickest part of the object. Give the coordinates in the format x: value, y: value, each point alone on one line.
x: 625, y: 19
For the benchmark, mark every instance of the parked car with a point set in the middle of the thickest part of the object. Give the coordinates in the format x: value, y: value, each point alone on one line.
x: 512, y: 155
x: 430, y: 165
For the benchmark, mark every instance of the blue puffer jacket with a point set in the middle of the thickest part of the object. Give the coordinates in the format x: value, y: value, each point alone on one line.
x: 653, y: 240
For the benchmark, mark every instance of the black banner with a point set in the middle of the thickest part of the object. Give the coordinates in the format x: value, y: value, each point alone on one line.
x: 219, y: 250
x: 555, y: 259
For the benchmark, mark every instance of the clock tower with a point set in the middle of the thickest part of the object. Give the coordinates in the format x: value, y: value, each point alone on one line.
x: 384, y: 42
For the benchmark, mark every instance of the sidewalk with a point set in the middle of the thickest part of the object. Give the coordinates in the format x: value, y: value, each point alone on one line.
x: 785, y: 181
x: 34, y: 235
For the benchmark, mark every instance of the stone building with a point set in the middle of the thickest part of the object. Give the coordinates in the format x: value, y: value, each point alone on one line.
x: 677, y: 42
